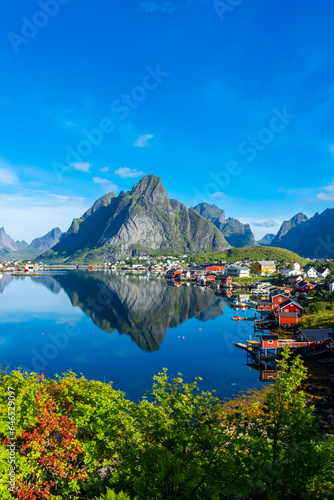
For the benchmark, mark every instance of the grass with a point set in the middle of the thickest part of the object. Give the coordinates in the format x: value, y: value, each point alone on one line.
x: 322, y: 319
x: 250, y: 253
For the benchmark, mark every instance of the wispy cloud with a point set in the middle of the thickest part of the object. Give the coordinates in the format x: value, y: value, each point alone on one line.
x: 126, y: 172
x: 109, y: 185
x: 8, y: 177
x: 219, y: 194
x: 327, y: 193
x: 81, y: 167
x: 104, y: 169
x: 29, y: 214
x: 265, y: 223
x: 142, y: 140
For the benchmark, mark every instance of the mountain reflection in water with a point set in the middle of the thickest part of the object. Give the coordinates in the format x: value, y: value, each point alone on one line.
x: 144, y: 309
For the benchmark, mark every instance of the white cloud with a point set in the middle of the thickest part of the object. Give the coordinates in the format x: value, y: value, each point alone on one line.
x: 219, y: 194
x: 7, y: 177
x: 104, y: 169
x: 81, y: 167
x: 327, y: 193
x: 126, y: 172
x: 30, y: 214
x: 142, y: 140
x: 110, y: 186
x: 265, y: 223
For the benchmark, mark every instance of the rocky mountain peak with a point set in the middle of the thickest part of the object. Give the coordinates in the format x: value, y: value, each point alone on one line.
x: 152, y: 188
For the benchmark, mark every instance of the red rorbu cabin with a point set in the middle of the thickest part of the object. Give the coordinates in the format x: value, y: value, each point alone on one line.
x: 290, y: 306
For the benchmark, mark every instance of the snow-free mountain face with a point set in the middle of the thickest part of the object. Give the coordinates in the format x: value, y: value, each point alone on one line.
x: 267, y: 239
x: 287, y: 225
x: 143, y: 218
x: 313, y: 238
x: 235, y: 233
x: 21, y: 250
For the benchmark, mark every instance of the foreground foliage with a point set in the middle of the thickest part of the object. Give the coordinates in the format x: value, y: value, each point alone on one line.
x: 82, y: 439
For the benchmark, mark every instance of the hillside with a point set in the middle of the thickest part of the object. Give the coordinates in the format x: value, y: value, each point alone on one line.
x: 21, y: 250
x: 235, y: 233
x: 313, y: 238
x: 251, y: 253
x: 145, y: 217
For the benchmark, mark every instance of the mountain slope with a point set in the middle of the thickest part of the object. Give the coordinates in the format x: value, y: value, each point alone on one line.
x: 236, y: 233
x: 21, y: 250
x: 143, y: 218
x: 251, y: 253
x: 313, y: 238
x: 287, y: 226
x: 47, y: 241
x: 267, y: 239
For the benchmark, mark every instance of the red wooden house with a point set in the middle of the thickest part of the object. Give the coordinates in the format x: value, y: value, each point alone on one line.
x: 223, y: 280
x: 269, y: 341
x: 264, y: 305
x: 287, y: 318
x: 317, y: 337
x: 304, y: 286
x: 278, y: 299
x: 291, y: 306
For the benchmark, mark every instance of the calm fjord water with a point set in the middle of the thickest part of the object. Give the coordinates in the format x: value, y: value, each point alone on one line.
x: 123, y: 329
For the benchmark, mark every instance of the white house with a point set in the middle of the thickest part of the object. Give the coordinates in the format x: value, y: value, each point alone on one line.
x: 331, y: 286
x: 236, y: 271
x: 323, y: 272
x: 287, y: 273
x: 310, y: 272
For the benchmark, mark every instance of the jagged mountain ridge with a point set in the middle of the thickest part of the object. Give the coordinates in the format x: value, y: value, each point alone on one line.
x: 313, y: 238
x: 21, y: 250
x: 143, y: 218
x: 235, y: 233
x: 287, y: 226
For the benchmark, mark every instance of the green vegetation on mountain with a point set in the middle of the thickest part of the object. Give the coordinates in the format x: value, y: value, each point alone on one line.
x: 249, y: 253
x: 236, y: 233
x: 145, y: 217
x: 79, y: 439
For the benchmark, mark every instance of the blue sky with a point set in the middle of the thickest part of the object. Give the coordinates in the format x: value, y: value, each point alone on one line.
x: 229, y: 102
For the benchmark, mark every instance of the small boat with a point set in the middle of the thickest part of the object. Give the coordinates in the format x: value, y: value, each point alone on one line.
x: 236, y: 318
x: 238, y: 303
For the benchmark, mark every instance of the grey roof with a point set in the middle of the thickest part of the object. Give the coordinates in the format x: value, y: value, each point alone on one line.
x: 269, y: 337
x: 266, y: 263
x: 318, y: 334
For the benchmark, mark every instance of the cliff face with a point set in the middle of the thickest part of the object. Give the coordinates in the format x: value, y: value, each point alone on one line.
x: 235, y: 233
x: 312, y: 237
x: 21, y: 250
x: 47, y: 241
x: 287, y: 226
x: 143, y: 218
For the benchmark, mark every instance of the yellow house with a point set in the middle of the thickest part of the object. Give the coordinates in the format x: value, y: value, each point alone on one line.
x: 264, y: 267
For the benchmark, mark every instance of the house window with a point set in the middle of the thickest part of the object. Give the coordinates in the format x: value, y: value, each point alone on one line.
x: 280, y: 300
x: 270, y: 341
